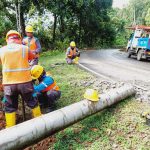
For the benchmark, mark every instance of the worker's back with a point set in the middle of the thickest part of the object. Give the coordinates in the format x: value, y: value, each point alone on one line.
x: 14, y: 59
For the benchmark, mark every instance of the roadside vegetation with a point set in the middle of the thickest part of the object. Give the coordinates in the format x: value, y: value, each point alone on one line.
x: 137, y: 12
x: 66, y: 76
x: 118, y: 127
x: 91, y: 23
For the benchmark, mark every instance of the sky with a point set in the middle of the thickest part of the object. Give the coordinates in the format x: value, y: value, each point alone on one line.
x: 120, y: 3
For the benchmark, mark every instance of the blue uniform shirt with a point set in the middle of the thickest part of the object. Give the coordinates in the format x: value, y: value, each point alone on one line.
x: 47, y: 81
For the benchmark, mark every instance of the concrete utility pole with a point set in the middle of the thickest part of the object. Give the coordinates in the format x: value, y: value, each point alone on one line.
x: 17, y: 9
x: 134, y: 17
x: 32, y: 131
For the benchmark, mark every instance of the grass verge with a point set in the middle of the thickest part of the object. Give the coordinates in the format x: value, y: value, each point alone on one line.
x: 66, y: 77
x: 118, y: 127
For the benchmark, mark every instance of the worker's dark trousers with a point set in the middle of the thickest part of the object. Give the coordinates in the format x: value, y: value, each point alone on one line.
x: 11, y: 93
x: 48, y: 99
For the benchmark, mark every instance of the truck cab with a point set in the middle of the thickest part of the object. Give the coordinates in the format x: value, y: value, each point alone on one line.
x: 139, y: 42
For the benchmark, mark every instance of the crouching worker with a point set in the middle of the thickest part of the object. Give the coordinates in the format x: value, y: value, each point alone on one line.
x: 72, y: 54
x: 47, y: 91
x: 16, y: 77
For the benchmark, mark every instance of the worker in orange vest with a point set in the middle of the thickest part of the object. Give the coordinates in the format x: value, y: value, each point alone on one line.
x: 17, y: 79
x: 72, y: 54
x: 33, y: 44
x: 47, y: 90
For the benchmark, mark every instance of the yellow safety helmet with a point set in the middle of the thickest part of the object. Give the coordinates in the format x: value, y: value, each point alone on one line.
x: 73, y: 44
x: 91, y: 94
x: 145, y: 114
x: 29, y: 28
x: 12, y: 32
x: 36, y: 71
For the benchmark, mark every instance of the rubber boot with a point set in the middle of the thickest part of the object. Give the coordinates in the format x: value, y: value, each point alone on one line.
x: 36, y: 112
x: 76, y: 60
x: 10, y: 119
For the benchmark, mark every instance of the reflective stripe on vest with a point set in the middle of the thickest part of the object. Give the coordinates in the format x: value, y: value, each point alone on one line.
x: 23, y: 52
x: 14, y: 59
x: 50, y: 87
x: 15, y: 70
x: 18, y: 69
x: 44, y: 84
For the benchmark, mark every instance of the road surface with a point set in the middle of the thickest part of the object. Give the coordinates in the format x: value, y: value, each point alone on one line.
x: 115, y: 65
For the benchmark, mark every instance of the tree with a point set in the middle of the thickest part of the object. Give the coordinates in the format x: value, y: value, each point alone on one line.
x: 79, y: 20
x: 16, y: 10
x: 147, y: 18
x: 85, y: 21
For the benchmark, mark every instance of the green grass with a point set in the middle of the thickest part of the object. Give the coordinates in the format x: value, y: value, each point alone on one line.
x: 68, y: 77
x: 118, y: 127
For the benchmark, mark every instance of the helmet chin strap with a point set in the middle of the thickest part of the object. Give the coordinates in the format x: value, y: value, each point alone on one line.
x: 43, y: 75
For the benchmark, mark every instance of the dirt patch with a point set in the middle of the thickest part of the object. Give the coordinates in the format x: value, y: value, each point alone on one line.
x: 43, y: 145
x: 2, y: 120
x: 123, y: 50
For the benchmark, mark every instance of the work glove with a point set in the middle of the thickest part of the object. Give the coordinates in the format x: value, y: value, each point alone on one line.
x: 34, y: 87
x: 4, y: 100
x: 69, y: 56
x: 34, y: 95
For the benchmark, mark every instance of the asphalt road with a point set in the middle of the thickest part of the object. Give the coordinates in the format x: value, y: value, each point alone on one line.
x: 115, y: 65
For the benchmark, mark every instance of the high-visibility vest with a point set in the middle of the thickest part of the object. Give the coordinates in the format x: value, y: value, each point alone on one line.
x: 72, y: 52
x: 30, y: 43
x: 50, y: 87
x: 15, y: 66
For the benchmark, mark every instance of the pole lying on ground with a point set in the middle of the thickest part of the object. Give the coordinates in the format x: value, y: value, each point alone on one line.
x: 32, y: 131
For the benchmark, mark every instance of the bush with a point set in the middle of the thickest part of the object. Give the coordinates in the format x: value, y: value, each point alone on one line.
x: 62, y: 45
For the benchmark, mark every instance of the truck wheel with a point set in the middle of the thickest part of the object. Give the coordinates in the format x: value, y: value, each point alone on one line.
x: 128, y: 53
x: 139, y: 55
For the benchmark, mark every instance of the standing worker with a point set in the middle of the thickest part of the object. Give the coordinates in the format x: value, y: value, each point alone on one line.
x: 33, y: 44
x: 47, y: 90
x: 17, y: 79
x: 72, y: 54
